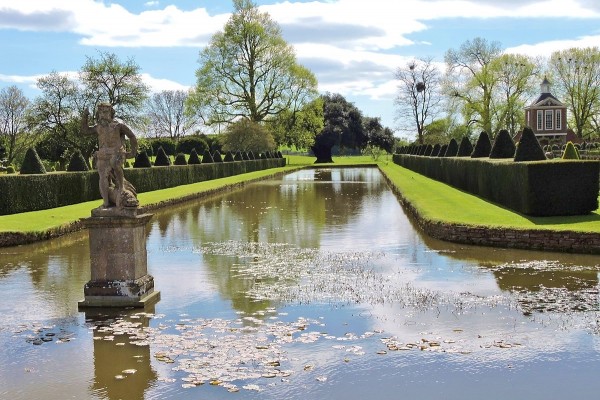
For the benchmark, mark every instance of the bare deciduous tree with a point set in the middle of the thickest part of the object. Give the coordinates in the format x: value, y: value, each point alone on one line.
x: 167, y: 116
x: 419, y: 95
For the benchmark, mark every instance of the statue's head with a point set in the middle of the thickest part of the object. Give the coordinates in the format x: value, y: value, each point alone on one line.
x: 105, y: 109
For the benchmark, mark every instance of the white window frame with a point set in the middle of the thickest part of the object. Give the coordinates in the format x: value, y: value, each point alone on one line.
x: 558, y: 119
x: 549, y: 120
x: 540, y: 120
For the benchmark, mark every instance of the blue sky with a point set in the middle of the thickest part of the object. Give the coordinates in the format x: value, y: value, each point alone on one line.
x: 352, y: 46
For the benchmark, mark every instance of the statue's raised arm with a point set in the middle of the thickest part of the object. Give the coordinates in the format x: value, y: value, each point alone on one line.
x: 85, y: 128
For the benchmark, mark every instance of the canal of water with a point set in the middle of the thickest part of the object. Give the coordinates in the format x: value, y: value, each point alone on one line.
x: 312, y: 286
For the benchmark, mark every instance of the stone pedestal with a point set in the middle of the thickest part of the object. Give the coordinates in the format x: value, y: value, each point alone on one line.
x: 118, y: 262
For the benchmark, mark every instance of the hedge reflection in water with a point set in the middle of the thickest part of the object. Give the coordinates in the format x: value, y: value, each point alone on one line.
x: 315, y: 286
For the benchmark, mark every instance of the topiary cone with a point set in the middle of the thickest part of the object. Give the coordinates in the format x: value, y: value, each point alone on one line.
x: 529, y: 148
x: 483, y: 147
x: 503, y: 146
x: 571, y: 152
x: 32, y: 164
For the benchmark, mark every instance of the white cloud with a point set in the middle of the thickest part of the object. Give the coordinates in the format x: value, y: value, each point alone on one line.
x: 158, y: 85
x: 543, y: 49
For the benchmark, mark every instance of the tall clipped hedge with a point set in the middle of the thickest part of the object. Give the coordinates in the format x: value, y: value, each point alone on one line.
x: 77, y: 162
x: 452, y: 149
x: 465, y: 148
x: 504, y: 146
x: 537, y: 188
x: 61, y: 189
x: 32, y: 164
x: 529, y: 148
x: 483, y: 147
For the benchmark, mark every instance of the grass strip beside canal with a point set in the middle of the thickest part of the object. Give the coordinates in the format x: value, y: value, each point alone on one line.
x: 43, y: 221
x: 438, y: 202
x: 433, y: 200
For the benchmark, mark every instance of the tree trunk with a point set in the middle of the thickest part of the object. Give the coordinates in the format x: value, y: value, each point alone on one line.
x: 323, y: 153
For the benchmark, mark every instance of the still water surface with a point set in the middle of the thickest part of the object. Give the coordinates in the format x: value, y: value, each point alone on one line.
x: 312, y: 286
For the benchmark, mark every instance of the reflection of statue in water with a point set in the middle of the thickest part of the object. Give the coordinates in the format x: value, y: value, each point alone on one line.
x: 116, y: 191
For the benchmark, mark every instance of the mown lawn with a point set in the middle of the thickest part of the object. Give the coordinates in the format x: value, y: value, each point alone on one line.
x: 434, y: 201
x: 437, y: 201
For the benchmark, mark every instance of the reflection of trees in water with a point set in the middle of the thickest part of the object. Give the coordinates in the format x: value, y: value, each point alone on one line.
x: 58, y: 268
x: 568, y: 283
x: 293, y: 211
x: 113, y: 357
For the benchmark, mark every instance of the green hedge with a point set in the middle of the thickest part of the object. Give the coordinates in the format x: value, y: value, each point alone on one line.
x: 536, y: 188
x: 22, y: 193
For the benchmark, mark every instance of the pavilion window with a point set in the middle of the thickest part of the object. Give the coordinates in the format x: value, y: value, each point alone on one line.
x: 540, y: 120
x: 558, y: 123
x: 549, y: 119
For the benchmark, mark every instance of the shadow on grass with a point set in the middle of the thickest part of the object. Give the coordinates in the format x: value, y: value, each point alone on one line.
x: 565, y: 220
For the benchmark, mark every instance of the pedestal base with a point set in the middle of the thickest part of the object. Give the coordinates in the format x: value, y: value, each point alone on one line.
x: 119, y: 301
x: 120, y: 293
x: 118, y: 261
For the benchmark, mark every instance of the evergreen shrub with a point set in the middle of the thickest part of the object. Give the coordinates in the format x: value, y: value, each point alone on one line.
x: 10, y: 169
x: 529, y: 148
x: 186, y: 144
x: 142, y: 160
x: 180, y: 159
x: 162, y: 159
x: 194, y: 159
x: 77, y: 162
x: 207, y: 158
x: 32, y: 164
x: 443, y: 149
x: 428, y: 150
x: 436, y: 150
x: 570, y: 152
x: 168, y: 145
x: 504, y: 146
x: 483, y: 147
x: 217, y: 156
x: 238, y: 156
x: 465, y: 148
x: 452, y: 149
x: 228, y: 157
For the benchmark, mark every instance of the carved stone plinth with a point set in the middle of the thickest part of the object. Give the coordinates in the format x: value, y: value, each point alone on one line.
x: 118, y: 262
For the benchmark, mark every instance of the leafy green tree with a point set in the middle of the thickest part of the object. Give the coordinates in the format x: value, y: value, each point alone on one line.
x: 246, y: 135
x: 377, y: 135
x: 515, y: 85
x: 298, y: 128
x: 14, y: 131
x: 55, y: 115
x: 342, y: 127
x: 248, y: 70
x: 108, y: 79
x: 577, y: 72
x: 472, y: 80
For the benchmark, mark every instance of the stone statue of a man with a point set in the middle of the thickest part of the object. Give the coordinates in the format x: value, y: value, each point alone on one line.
x: 116, y: 191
